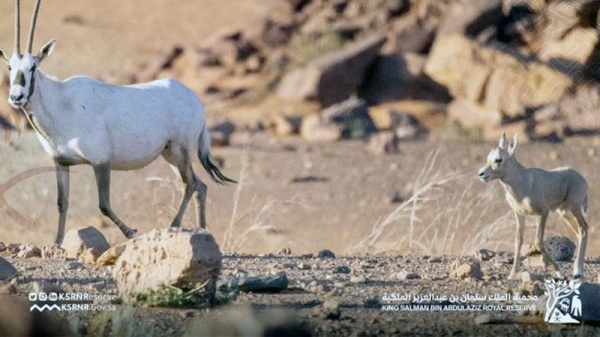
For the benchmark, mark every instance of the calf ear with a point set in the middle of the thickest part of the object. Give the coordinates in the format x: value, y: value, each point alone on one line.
x: 512, y: 145
x: 46, y: 50
x: 503, y: 143
x: 3, y: 56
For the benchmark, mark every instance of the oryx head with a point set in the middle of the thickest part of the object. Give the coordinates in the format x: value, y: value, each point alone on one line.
x: 499, y: 160
x: 22, y: 67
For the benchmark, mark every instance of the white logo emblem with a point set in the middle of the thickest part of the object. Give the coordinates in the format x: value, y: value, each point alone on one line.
x: 563, y: 304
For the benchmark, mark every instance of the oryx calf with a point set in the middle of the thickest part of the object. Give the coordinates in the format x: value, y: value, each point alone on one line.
x: 536, y: 192
x: 84, y: 121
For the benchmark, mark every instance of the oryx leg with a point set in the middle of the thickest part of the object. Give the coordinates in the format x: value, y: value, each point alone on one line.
x: 180, y: 159
x: 102, y: 173
x: 62, y: 178
x: 539, y: 244
x: 579, y: 219
x: 192, y: 184
x: 518, y: 243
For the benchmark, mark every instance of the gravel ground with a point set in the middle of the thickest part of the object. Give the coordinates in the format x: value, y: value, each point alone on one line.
x: 339, y: 296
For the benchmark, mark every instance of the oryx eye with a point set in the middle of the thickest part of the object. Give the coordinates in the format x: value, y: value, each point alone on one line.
x: 9, y: 68
x: 498, y: 160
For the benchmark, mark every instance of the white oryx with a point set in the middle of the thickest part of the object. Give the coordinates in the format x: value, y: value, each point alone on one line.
x: 536, y: 192
x: 110, y: 127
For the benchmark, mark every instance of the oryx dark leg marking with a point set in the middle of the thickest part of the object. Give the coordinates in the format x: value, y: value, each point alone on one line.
x: 102, y: 173
x: 62, y: 178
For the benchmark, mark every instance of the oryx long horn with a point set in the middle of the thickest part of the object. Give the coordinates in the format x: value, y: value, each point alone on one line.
x: 18, y: 27
x: 32, y: 27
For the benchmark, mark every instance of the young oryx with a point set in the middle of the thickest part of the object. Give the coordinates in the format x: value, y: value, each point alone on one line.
x: 110, y: 127
x: 536, y: 192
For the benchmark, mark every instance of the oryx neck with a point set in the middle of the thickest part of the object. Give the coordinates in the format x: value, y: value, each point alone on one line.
x: 39, y: 107
x: 515, y: 175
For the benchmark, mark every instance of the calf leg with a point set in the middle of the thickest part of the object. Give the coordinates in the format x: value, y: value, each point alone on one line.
x: 539, y: 244
x: 102, y: 173
x: 62, y: 178
x: 582, y: 238
x: 518, y: 244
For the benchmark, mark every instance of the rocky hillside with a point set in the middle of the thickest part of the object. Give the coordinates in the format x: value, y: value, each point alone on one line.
x: 331, y: 69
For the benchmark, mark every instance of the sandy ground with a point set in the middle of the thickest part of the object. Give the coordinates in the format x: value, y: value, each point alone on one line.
x: 302, y: 196
x: 112, y: 38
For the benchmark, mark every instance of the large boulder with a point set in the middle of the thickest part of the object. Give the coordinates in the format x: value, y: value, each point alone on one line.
x: 85, y: 244
x: 348, y: 119
x: 176, y: 257
x: 333, y: 77
x: 470, y: 114
x: 471, y: 17
x: 492, y: 77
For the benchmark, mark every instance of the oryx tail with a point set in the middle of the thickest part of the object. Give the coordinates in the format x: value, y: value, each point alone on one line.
x: 207, y: 163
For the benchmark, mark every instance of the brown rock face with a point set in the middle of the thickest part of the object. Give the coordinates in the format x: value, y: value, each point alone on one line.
x: 85, y: 244
x: 333, y: 77
x: 493, y: 78
x: 177, y: 257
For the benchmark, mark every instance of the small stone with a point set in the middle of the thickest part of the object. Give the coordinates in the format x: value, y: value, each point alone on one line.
x: 527, y: 277
x: 331, y: 309
x: 2, y: 247
x: 485, y: 254
x: 466, y: 270
x: 304, y: 266
x: 326, y: 254
x: 13, y: 248
x: 85, y: 244
x: 435, y: 259
x: 29, y: 251
x: 342, y: 270
x: 53, y: 252
x: 504, y: 258
x: 339, y: 285
x: 402, y: 276
x: 483, y: 319
x: 285, y: 251
x: 264, y: 284
x: 372, y: 303
x: 560, y: 248
x: 358, y: 279
x: 289, y: 265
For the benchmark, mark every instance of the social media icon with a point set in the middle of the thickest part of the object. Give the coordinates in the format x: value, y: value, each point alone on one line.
x: 43, y: 297
x: 53, y: 296
x: 33, y: 296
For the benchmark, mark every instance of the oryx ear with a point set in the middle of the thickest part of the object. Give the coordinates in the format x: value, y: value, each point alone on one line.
x: 46, y: 50
x: 503, y: 143
x: 3, y: 56
x: 512, y: 145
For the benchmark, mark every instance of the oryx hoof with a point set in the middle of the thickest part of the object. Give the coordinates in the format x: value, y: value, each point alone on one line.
x: 132, y: 233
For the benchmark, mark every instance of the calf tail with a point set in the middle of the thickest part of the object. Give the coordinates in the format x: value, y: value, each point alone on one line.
x: 207, y: 163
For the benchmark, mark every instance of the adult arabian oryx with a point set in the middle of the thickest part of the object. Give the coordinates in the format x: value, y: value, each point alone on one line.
x: 110, y: 127
x: 536, y: 192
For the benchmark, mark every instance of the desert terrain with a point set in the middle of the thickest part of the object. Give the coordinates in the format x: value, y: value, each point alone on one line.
x: 355, y: 127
